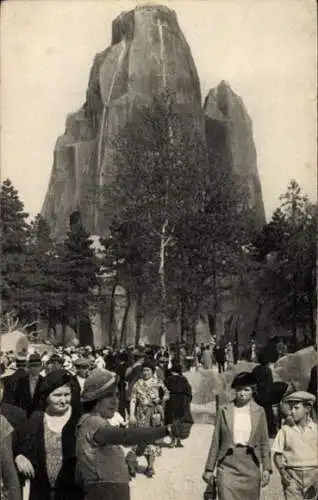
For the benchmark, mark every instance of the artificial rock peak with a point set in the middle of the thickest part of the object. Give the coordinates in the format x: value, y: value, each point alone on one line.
x: 148, y: 55
x: 229, y: 135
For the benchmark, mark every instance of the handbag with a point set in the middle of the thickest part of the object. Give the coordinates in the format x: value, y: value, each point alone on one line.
x: 156, y: 417
x: 185, y: 429
x: 181, y: 429
x: 211, y: 491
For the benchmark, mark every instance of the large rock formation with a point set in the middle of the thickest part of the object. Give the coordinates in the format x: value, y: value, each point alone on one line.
x: 229, y: 135
x: 148, y: 54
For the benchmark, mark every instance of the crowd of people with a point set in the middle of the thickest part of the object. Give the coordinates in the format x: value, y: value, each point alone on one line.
x: 75, y: 422
x: 239, y: 462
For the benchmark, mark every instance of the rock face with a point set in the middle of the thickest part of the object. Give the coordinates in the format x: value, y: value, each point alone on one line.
x: 148, y: 54
x: 229, y: 136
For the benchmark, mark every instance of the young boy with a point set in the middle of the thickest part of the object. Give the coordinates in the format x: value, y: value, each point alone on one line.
x: 295, y: 450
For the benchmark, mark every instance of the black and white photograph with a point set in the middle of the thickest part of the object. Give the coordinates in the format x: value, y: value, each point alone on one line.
x: 158, y: 228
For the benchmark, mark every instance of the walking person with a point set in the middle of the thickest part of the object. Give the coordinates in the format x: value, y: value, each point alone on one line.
x: 239, y: 454
x: 206, y: 358
x: 295, y: 450
x: 148, y: 398
x: 101, y: 465
x: 263, y: 376
x: 219, y: 354
x: 28, y: 387
x: 50, y: 441
x: 82, y: 367
x: 229, y: 355
x: 177, y: 410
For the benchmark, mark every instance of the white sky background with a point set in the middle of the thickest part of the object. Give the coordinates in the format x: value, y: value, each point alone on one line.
x: 266, y: 50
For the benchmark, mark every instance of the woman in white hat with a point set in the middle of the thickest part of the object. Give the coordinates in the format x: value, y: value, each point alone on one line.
x: 102, y: 469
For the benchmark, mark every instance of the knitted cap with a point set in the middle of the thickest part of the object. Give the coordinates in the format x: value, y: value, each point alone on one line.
x: 98, y: 384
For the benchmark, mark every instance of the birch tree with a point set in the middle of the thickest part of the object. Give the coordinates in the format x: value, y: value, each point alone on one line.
x: 159, y: 159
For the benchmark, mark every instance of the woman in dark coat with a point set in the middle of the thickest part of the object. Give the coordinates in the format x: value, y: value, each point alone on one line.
x: 263, y: 376
x: 177, y: 408
x: 50, y: 444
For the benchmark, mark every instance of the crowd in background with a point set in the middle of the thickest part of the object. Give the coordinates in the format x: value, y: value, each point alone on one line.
x: 75, y: 420
x: 51, y: 402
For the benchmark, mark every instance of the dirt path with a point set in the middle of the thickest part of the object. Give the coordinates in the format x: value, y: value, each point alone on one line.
x: 178, y: 472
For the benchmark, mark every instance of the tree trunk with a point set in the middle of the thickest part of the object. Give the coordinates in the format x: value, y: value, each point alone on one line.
x: 63, y: 331
x: 193, y: 334
x: 162, y: 281
x: 111, y: 313
x: 182, y: 319
x: 257, y: 317
x: 123, y: 329
x: 294, y: 317
x: 138, y: 319
x: 77, y: 324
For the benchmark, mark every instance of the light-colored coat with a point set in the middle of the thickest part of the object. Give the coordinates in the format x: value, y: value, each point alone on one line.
x: 222, y: 439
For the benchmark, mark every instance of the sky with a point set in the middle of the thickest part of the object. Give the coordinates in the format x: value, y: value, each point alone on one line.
x: 265, y: 49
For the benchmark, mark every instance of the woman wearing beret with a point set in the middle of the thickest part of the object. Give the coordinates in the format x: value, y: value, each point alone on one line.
x: 101, y: 465
x: 148, y: 397
x: 50, y: 441
x: 240, y: 450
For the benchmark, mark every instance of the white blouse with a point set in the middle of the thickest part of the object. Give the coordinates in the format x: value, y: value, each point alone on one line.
x: 242, y: 424
x: 56, y: 423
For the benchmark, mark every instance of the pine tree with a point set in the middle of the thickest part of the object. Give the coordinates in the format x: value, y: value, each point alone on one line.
x: 79, y: 273
x: 39, y: 251
x: 14, y: 233
x: 289, y: 244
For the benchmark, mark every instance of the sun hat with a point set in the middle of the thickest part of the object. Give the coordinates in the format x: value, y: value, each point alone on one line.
x: 99, y: 383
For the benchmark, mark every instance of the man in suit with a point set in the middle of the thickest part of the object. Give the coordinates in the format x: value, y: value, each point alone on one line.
x: 10, y: 382
x: 28, y: 387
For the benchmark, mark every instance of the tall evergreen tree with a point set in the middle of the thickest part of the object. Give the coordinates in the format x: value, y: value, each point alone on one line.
x: 79, y: 272
x: 14, y: 234
x: 289, y: 244
x: 39, y: 251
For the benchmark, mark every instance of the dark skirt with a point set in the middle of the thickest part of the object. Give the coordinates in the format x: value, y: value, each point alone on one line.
x: 108, y: 491
x: 238, y: 476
